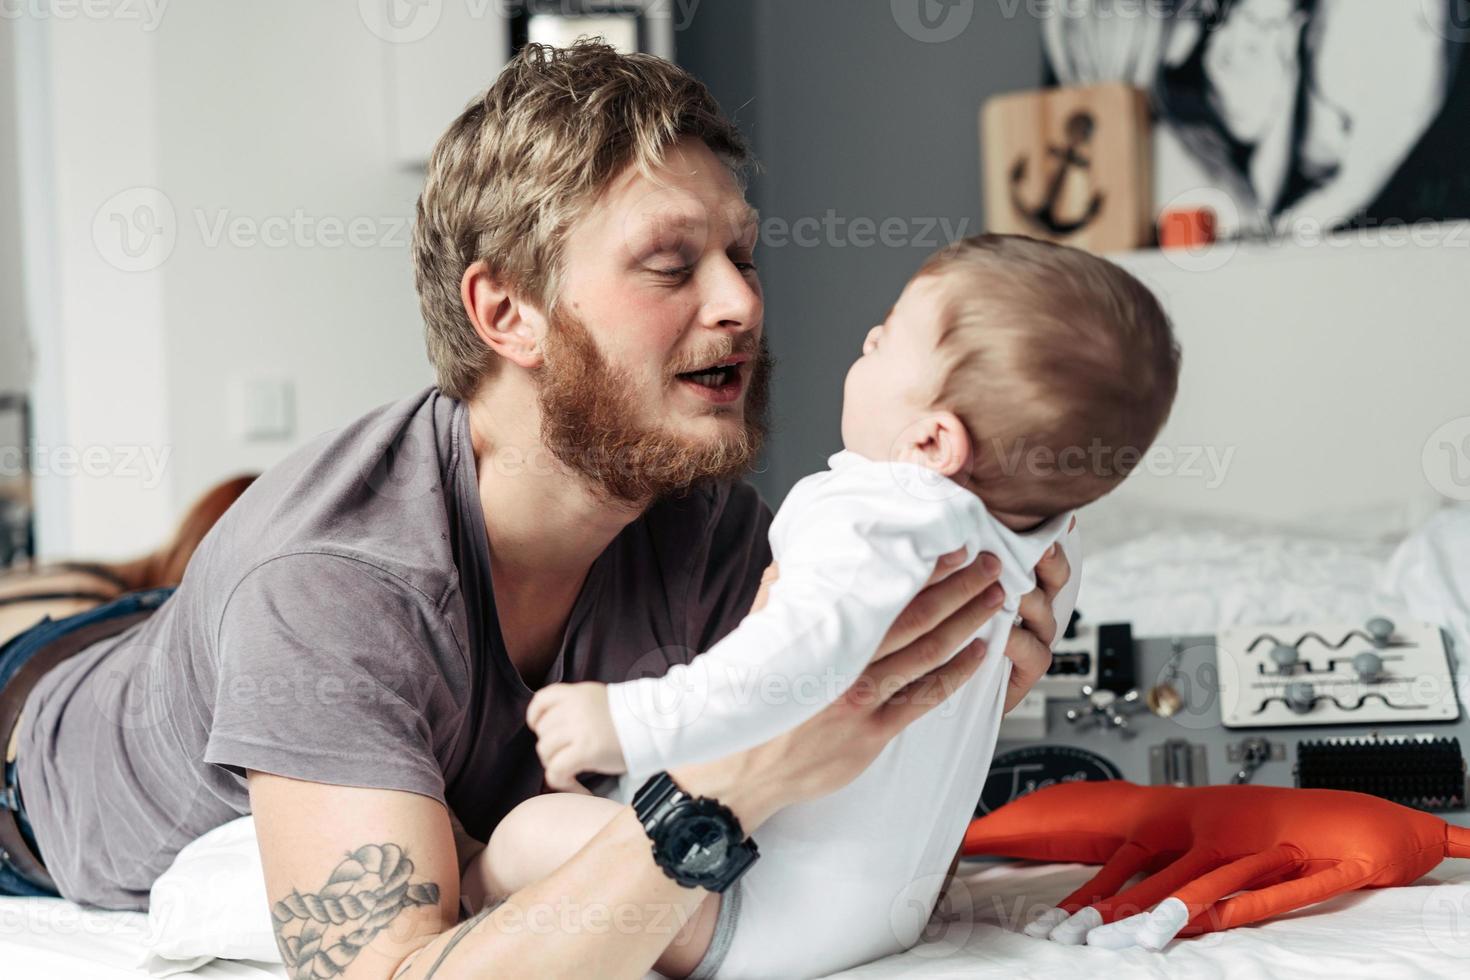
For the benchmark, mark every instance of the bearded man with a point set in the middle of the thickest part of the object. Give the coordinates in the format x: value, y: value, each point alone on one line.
x: 352, y: 649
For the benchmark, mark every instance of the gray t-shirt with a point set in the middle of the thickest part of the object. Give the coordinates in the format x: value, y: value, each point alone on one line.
x: 338, y: 625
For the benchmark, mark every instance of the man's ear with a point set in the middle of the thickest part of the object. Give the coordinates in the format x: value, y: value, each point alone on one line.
x: 506, y: 324
x: 940, y: 442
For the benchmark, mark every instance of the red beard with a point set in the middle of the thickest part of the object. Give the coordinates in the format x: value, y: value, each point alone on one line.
x: 589, y: 416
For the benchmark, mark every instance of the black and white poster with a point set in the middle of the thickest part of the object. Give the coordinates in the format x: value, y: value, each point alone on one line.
x: 1288, y: 117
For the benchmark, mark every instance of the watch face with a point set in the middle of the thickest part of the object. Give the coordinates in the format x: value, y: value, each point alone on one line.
x: 698, y: 844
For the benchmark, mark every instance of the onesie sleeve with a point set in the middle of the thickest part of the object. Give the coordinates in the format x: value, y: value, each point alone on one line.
x: 851, y: 560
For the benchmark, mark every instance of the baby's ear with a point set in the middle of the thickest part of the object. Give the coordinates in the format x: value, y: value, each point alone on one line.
x: 940, y: 442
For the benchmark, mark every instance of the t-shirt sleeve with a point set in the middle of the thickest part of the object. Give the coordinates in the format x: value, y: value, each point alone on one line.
x: 727, y: 565
x: 325, y: 673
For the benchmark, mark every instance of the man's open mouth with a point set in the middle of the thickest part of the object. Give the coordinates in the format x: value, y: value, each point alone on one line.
x: 721, y: 381
x: 715, y: 376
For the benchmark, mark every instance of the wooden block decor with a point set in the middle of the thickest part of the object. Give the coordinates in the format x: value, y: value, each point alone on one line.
x: 1070, y: 165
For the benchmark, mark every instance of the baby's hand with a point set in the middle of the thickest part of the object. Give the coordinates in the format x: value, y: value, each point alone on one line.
x: 574, y: 733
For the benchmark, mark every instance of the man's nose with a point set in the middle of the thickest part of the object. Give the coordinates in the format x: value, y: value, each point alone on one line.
x: 734, y: 301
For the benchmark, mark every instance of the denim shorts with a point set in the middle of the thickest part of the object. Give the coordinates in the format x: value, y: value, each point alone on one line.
x: 13, y: 655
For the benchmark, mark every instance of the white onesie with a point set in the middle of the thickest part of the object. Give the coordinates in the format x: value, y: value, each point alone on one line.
x: 850, y: 877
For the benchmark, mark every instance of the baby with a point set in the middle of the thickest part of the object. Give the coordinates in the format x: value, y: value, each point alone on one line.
x: 1013, y: 382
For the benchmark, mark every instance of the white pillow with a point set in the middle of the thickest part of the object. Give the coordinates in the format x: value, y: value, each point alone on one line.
x: 1432, y: 571
x: 1190, y: 582
x: 211, y: 904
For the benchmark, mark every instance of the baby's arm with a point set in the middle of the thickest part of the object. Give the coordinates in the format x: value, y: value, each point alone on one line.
x: 780, y: 666
x: 842, y: 583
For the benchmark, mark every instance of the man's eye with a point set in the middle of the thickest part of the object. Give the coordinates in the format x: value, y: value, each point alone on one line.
x: 746, y: 266
x: 676, y: 272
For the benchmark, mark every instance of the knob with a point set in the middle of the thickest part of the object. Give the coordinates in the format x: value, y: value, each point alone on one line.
x: 1369, y: 666
x: 1284, y: 657
x: 1300, y: 697
x: 1380, y: 629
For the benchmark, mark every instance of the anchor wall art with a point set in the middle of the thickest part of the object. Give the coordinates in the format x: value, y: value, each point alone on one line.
x: 1288, y: 117
x: 1069, y: 165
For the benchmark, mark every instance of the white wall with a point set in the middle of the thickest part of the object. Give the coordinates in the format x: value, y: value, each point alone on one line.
x: 86, y: 122
x: 13, y: 348
x: 1323, y: 381
x: 250, y: 142
x: 272, y: 116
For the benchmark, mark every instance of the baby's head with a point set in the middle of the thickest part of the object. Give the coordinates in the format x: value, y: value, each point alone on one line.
x: 1035, y: 374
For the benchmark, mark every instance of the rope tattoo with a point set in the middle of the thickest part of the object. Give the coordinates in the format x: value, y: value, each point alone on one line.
x: 366, y: 892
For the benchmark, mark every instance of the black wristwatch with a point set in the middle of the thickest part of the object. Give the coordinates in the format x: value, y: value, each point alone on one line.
x: 697, y: 841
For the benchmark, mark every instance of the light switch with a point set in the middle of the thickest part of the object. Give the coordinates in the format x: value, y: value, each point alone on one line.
x: 264, y: 408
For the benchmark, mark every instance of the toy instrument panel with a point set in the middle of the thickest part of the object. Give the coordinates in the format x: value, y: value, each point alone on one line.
x: 1372, y: 706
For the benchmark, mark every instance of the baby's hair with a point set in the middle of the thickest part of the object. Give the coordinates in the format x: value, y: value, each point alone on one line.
x: 1062, y: 366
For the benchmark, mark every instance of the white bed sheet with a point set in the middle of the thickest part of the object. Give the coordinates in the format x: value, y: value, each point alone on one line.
x: 1391, y: 932
x: 50, y: 939
x: 1423, y: 931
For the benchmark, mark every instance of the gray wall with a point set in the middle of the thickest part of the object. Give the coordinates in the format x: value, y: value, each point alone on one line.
x: 14, y: 357
x: 851, y: 114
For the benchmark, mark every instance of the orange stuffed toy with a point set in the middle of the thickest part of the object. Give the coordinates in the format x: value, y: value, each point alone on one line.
x: 1200, y: 846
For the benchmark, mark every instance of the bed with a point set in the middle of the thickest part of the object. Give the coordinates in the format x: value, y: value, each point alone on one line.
x: 1328, y: 506
x: 1180, y: 576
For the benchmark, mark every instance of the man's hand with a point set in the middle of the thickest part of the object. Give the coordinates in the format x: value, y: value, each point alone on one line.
x: 574, y: 733
x: 1029, y: 646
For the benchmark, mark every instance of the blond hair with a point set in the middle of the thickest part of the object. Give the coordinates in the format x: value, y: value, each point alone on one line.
x: 1053, y: 354
x: 524, y: 160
